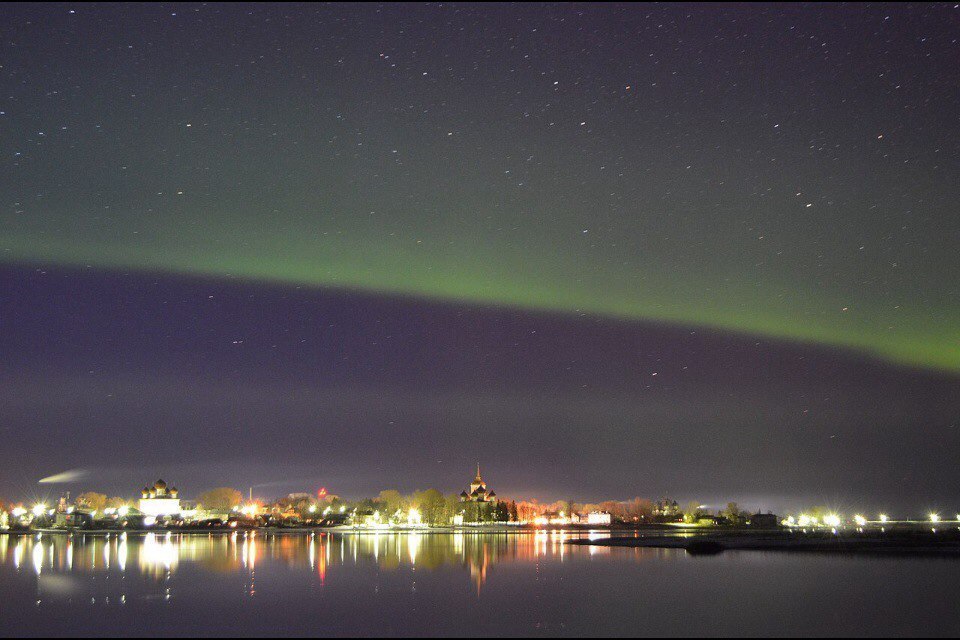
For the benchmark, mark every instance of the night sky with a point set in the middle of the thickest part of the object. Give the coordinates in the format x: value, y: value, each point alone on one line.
x: 607, y: 251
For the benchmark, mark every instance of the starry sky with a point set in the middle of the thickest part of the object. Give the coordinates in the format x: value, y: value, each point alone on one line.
x: 607, y: 250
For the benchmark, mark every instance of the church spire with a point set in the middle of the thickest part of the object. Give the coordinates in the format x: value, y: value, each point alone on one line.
x: 478, y: 491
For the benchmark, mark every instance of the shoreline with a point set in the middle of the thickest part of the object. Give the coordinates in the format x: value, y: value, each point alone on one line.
x: 492, y: 529
x: 915, y: 542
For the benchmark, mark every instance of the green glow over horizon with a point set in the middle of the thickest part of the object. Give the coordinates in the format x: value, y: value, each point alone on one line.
x: 554, y: 170
x: 913, y: 342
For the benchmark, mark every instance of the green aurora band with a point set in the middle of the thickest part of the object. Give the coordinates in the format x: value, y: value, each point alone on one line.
x: 645, y: 164
x: 518, y: 279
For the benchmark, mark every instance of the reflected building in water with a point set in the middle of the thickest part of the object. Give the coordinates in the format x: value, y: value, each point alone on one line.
x: 161, y: 563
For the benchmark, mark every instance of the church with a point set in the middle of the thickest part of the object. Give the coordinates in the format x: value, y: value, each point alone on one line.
x: 159, y: 500
x: 478, y: 491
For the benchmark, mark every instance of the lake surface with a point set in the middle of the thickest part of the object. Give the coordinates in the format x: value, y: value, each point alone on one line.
x: 455, y: 584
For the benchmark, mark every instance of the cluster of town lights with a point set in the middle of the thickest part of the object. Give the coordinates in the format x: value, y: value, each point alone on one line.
x: 252, y: 509
x: 411, y: 518
x: 834, y: 520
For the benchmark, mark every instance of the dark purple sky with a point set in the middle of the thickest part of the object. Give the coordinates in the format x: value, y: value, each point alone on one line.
x: 208, y: 382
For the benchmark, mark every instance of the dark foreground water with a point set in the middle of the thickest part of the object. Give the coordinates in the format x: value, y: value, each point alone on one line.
x: 455, y: 584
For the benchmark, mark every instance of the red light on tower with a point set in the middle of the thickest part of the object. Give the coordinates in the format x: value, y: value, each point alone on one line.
x: 321, y: 493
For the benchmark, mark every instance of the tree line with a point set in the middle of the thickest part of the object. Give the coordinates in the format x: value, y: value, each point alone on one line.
x: 437, y: 508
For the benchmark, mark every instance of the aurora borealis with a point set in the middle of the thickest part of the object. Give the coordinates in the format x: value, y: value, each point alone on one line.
x: 781, y: 182
x: 760, y: 170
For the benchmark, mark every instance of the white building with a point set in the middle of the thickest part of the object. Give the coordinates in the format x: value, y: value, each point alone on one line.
x: 159, y: 501
x: 598, y: 517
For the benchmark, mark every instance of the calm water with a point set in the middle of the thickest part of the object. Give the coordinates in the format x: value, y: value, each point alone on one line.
x: 455, y: 584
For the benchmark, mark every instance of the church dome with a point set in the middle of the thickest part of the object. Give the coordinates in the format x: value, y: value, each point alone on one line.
x: 160, y: 485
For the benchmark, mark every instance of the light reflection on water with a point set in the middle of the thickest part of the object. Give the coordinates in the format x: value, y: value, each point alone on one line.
x: 161, y: 554
x: 464, y: 583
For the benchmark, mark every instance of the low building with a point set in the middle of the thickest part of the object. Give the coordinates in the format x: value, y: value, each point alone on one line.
x: 73, y: 518
x: 369, y: 519
x: 159, y: 500
x: 598, y: 518
x: 764, y: 521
